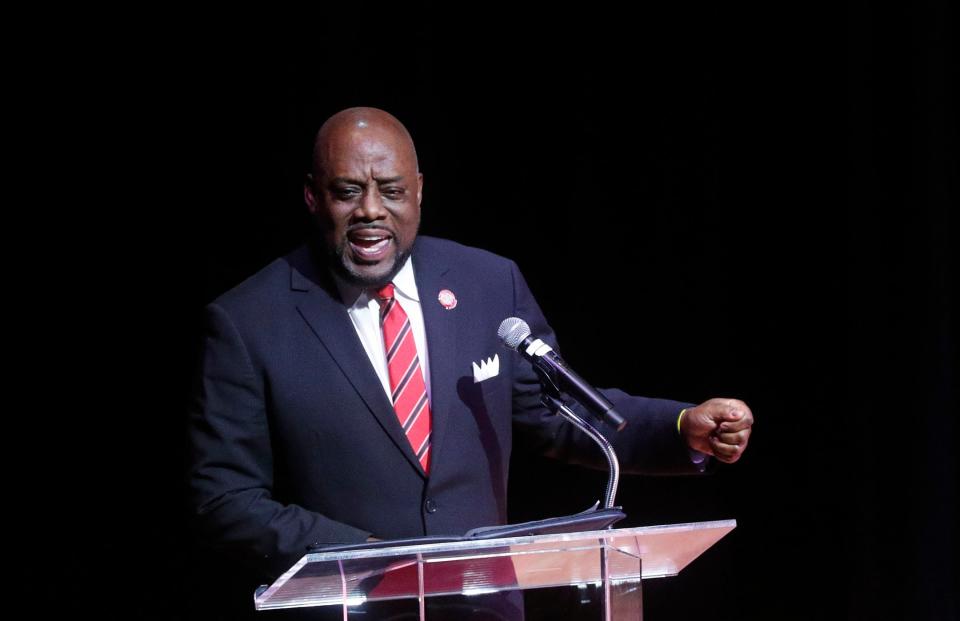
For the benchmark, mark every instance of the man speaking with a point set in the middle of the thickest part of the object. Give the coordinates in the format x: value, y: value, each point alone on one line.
x: 356, y: 388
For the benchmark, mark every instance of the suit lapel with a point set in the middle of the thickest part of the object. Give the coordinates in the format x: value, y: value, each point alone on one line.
x: 322, y: 309
x: 432, y: 272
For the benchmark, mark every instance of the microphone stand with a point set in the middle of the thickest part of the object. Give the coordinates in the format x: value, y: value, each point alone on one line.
x: 550, y: 398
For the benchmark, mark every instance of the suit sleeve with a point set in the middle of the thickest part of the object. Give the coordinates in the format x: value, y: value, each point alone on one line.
x: 649, y: 444
x: 231, y: 470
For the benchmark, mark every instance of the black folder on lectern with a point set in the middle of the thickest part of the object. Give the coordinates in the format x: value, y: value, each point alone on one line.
x: 591, y: 519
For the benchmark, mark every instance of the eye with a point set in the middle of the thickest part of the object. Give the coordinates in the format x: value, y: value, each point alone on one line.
x: 394, y: 193
x: 345, y: 193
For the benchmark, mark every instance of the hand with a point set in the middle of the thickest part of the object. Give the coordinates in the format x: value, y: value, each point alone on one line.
x: 718, y: 427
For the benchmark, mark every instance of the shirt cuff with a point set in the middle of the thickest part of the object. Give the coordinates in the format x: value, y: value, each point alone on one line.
x: 696, y: 457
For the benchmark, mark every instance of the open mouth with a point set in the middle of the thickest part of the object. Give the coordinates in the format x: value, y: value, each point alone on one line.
x: 369, y: 244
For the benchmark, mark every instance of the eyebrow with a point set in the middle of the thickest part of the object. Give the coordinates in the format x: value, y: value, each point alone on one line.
x: 379, y: 180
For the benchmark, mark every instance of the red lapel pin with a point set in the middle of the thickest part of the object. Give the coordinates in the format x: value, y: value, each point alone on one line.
x: 447, y: 299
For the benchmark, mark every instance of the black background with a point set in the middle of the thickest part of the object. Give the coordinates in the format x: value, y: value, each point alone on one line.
x: 762, y: 199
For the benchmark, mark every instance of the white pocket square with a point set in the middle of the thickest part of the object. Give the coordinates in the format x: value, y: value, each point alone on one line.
x: 486, y: 369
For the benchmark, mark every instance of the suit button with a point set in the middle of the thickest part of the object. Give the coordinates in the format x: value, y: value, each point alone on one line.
x: 430, y: 505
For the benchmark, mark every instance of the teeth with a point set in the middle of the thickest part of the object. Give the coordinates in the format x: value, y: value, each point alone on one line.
x: 374, y: 249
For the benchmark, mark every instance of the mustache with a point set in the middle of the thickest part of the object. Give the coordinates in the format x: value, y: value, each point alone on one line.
x: 368, y: 227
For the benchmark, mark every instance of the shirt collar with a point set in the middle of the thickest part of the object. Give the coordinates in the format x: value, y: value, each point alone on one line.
x: 405, y: 283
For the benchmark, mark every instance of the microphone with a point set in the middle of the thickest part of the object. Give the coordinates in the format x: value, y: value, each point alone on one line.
x: 515, y: 334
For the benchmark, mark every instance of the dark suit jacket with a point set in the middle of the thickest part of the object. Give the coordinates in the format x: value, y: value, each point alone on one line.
x: 294, y: 442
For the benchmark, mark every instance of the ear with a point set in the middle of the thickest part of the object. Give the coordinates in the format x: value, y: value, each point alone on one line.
x: 309, y: 195
x: 419, y: 188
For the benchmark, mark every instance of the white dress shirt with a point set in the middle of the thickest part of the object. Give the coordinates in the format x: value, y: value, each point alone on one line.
x: 364, y: 310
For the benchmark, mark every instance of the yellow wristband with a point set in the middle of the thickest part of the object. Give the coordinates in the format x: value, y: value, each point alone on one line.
x: 680, y: 418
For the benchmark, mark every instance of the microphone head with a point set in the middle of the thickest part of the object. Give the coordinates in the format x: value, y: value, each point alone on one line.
x: 512, y: 331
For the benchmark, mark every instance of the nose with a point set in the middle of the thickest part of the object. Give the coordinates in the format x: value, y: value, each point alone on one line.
x: 371, y: 206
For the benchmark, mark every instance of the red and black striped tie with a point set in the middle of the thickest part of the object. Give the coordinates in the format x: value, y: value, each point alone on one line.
x: 409, y: 391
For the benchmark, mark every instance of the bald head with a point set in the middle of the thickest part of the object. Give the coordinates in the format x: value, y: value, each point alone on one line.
x: 354, y: 123
x: 365, y: 194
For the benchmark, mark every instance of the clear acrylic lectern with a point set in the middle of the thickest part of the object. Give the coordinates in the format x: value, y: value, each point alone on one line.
x: 609, y: 564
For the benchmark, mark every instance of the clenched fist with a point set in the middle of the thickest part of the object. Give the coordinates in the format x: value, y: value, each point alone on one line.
x: 718, y: 427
